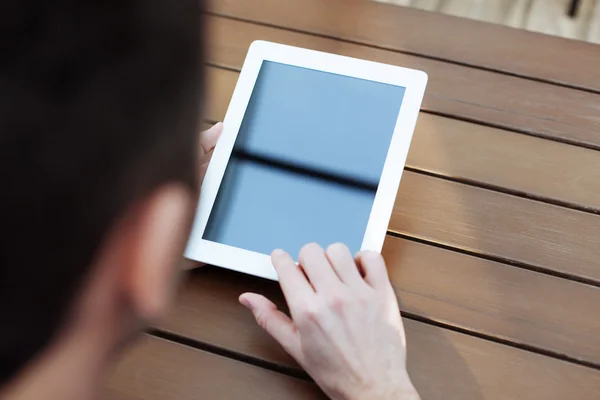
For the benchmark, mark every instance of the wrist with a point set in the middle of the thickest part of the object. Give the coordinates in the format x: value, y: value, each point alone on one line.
x: 407, y: 392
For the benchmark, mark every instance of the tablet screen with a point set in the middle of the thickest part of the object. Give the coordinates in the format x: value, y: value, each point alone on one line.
x: 307, y: 161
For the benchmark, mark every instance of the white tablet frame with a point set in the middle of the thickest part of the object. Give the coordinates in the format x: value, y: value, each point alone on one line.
x: 257, y: 264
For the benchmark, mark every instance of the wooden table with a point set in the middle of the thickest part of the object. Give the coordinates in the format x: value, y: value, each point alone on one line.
x: 494, y: 243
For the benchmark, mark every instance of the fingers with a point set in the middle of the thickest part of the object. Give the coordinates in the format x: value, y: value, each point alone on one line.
x: 296, y: 289
x: 374, y: 269
x: 273, y: 321
x: 317, y: 267
x: 208, y: 138
x: 343, y: 264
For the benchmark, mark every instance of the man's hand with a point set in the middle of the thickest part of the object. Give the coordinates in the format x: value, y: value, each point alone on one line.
x: 346, y: 330
x: 207, y: 141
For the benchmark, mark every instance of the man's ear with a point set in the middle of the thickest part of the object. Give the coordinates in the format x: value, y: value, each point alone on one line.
x: 158, y: 233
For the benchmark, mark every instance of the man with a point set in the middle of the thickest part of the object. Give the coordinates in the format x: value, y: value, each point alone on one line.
x: 100, y: 170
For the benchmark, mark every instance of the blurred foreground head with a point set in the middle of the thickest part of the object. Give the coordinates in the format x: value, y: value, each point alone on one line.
x: 99, y: 108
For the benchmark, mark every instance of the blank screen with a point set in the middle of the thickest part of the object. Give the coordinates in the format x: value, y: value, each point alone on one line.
x: 307, y: 161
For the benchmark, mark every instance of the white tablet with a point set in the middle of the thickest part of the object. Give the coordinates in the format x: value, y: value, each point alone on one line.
x: 313, y: 149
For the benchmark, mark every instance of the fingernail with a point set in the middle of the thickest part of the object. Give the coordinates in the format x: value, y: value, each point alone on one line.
x: 278, y: 253
x: 244, y: 301
x: 217, y: 126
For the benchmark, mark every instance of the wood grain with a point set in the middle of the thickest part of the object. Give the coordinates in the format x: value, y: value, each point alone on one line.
x: 496, y: 299
x: 435, y: 35
x: 478, y: 153
x: 468, y: 93
x: 162, y: 370
x: 499, y: 225
x: 442, y: 363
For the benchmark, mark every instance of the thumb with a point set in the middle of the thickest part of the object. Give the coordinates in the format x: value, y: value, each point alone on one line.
x: 208, y: 138
x: 274, y: 322
x: 203, y: 169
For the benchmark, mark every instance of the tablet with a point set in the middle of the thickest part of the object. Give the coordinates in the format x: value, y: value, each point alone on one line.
x: 312, y: 150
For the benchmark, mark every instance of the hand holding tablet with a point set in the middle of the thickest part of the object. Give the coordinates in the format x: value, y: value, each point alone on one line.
x: 313, y: 149
x: 344, y: 328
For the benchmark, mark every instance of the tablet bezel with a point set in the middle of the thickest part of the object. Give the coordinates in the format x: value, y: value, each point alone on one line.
x: 258, y: 264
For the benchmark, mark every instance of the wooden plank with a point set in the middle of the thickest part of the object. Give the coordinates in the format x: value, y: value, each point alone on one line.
x: 496, y: 299
x: 444, y: 37
x: 442, y: 363
x: 477, y: 153
x: 535, y: 167
x: 468, y: 93
x: 162, y: 370
x: 499, y: 225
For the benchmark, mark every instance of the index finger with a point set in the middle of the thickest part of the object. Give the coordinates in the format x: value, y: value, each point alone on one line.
x: 296, y: 288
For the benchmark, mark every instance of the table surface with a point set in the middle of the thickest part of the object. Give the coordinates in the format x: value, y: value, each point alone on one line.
x: 493, y: 243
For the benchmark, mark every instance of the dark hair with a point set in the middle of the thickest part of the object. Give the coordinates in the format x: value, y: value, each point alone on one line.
x: 99, y: 104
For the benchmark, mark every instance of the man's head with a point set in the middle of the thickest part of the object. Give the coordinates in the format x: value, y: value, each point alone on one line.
x: 99, y: 105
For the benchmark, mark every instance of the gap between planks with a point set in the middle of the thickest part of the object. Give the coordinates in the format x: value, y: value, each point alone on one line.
x: 503, y: 260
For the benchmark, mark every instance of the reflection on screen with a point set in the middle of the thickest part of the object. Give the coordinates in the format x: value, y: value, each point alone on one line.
x: 306, y: 162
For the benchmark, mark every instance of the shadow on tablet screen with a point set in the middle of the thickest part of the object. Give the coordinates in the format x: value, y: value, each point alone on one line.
x: 307, y: 161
